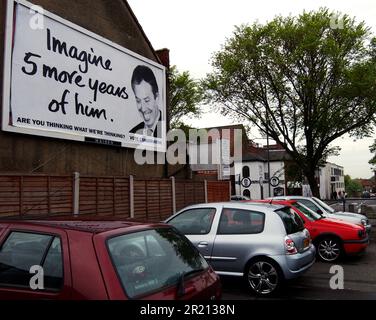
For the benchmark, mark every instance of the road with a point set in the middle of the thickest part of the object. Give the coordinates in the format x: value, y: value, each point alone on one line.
x: 359, y: 281
x: 338, y: 205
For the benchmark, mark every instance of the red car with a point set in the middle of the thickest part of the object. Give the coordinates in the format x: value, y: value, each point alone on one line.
x: 101, y: 260
x: 333, y: 238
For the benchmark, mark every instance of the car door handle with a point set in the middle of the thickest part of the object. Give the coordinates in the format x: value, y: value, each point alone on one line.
x: 202, y: 244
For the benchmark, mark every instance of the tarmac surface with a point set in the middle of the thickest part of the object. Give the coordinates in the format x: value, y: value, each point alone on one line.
x: 359, y: 280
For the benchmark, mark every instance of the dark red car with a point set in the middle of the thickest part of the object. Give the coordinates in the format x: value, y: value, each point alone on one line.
x: 101, y: 260
x: 333, y: 238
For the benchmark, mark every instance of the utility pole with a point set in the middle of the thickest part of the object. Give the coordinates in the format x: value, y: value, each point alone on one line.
x: 267, y: 146
x: 268, y: 159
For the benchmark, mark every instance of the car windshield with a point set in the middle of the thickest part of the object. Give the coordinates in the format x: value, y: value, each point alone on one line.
x: 148, y: 261
x: 311, y: 215
x: 323, y: 205
x: 291, y: 220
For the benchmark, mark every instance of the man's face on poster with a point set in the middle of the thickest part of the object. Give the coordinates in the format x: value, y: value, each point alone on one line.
x: 147, y: 103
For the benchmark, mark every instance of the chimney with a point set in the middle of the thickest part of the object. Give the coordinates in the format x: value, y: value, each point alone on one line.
x: 164, y: 56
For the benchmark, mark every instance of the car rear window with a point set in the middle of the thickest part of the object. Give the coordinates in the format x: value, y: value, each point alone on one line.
x: 150, y: 260
x: 291, y: 220
x: 238, y: 221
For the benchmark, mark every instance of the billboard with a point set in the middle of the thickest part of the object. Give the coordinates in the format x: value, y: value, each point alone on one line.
x: 63, y: 81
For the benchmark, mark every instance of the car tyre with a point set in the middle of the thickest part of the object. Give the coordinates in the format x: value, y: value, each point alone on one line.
x: 263, y: 276
x: 329, y: 249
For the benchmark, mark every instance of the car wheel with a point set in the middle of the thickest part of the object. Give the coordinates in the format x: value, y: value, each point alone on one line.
x: 263, y: 277
x: 329, y: 249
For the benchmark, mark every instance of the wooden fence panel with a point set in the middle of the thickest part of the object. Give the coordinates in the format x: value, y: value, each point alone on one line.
x: 60, y: 195
x: 189, y: 192
x: 105, y: 198
x: 218, y: 191
x: 35, y: 195
x: 180, y: 194
x: 140, y: 199
x: 121, y: 196
x: 199, y: 192
x: 88, y: 195
x: 42, y: 195
x: 165, y: 192
x: 153, y: 200
x: 10, y: 196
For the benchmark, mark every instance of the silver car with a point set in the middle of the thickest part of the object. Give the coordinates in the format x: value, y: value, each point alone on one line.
x: 326, y: 211
x: 265, y: 244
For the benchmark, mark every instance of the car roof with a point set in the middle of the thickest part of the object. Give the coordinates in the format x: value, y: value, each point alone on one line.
x: 237, y: 205
x: 92, y: 226
x: 289, y: 197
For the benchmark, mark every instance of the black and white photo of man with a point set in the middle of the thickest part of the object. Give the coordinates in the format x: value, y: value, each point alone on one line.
x: 145, y: 89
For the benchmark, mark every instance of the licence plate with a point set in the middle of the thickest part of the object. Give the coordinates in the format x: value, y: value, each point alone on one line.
x: 306, y: 243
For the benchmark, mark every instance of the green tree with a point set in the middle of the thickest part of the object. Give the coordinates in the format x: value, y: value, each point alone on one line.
x: 352, y: 186
x: 300, y: 81
x: 372, y: 162
x: 185, y: 95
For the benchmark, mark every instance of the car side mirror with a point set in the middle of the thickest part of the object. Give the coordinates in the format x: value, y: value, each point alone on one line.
x: 319, y: 211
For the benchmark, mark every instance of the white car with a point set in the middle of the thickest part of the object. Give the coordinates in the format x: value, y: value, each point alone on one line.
x: 323, y: 209
x: 239, y: 198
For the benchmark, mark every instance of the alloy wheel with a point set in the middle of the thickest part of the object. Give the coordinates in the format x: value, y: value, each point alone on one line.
x: 329, y: 249
x: 263, y: 277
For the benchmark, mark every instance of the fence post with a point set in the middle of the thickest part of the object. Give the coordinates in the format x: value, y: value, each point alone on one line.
x: 206, y: 190
x: 76, y: 193
x: 131, y: 196
x: 173, y: 195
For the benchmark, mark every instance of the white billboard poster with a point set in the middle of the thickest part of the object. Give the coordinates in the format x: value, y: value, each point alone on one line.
x: 63, y: 81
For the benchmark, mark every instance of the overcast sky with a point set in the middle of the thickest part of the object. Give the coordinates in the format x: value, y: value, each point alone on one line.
x: 193, y: 30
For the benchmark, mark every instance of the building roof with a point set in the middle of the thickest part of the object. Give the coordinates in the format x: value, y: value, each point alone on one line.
x: 231, y: 126
x: 253, y: 157
x: 274, y: 155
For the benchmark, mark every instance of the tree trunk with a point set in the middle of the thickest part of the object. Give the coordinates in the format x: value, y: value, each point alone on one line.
x: 313, y: 183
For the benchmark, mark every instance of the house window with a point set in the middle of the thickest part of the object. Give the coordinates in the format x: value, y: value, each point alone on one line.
x: 245, y: 172
x: 247, y: 193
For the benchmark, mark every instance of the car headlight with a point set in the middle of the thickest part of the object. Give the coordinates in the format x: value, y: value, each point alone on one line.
x: 361, y: 233
x: 364, y: 222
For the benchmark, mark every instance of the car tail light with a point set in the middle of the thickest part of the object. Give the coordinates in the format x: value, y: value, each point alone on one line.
x: 290, y: 246
x: 308, y: 236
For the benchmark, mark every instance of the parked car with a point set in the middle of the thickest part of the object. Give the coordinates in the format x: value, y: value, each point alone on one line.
x: 366, y: 194
x: 102, y: 260
x: 323, y: 209
x: 239, y: 197
x: 263, y: 244
x: 333, y: 238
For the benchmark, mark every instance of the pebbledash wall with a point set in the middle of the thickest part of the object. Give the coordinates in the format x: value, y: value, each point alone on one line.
x: 41, y: 176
